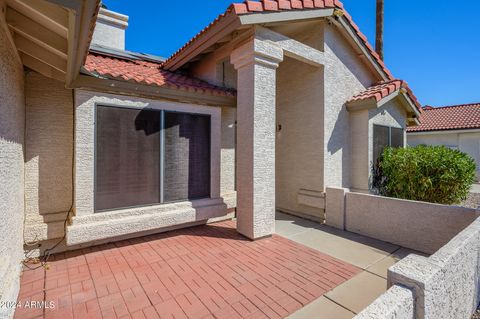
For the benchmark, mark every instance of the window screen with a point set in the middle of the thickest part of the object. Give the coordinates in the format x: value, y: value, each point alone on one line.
x: 397, y: 137
x: 132, y: 147
x: 380, y: 141
x: 187, y: 156
x: 127, y: 157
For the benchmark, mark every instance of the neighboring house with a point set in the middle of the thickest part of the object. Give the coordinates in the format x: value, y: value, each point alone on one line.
x: 262, y: 110
x: 456, y: 126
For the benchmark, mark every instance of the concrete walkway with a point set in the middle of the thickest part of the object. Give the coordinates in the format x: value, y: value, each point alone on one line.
x: 374, y: 257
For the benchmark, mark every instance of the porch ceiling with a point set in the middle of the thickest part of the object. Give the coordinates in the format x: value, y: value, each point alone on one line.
x: 52, y: 36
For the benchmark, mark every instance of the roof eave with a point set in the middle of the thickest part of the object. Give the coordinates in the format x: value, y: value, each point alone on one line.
x: 92, y: 81
x: 285, y: 16
x: 445, y: 131
x: 344, y: 24
x: 82, y: 23
x: 371, y: 103
x: 221, y: 29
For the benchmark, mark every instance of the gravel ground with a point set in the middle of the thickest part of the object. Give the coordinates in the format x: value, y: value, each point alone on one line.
x: 473, y: 201
x: 476, y: 315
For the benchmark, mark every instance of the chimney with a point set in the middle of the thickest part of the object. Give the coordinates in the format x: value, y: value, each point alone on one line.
x: 110, y: 29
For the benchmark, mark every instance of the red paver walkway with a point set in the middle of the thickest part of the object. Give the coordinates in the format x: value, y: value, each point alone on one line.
x: 200, y: 272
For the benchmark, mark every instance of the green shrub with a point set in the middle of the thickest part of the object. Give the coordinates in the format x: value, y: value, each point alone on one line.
x: 433, y: 174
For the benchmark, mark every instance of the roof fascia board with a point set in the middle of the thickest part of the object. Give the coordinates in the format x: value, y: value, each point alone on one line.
x: 408, y: 101
x: 284, y: 16
x: 360, y: 105
x: 291, y: 47
x: 80, y: 21
x: 371, y: 103
x: 344, y: 25
x: 388, y: 98
x: 451, y: 131
x: 68, y: 4
x: 218, y: 31
x: 142, y: 90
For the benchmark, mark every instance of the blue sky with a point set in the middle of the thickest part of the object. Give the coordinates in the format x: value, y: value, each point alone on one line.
x: 433, y: 45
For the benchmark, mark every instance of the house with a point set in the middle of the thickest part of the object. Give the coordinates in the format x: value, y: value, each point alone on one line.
x: 456, y: 126
x: 264, y: 109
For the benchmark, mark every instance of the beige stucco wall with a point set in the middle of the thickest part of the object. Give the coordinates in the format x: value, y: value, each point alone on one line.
x: 299, y: 138
x: 421, y: 226
x: 227, y: 152
x: 359, y: 146
x: 12, y: 119
x: 345, y: 75
x: 48, y: 157
x: 467, y: 142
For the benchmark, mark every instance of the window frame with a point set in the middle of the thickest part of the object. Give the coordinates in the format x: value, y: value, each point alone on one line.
x: 161, y: 111
x: 389, y: 137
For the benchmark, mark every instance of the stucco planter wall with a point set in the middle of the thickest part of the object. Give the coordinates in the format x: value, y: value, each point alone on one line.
x: 421, y: 226
x: 442, y: 286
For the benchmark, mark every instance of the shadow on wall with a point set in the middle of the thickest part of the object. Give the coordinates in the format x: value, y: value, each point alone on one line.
x: 48, y: 153
x: 128, y: 157
x: 185, y: 134
x: 339, y: 141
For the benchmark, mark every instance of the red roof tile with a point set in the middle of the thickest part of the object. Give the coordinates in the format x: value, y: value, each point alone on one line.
x: 259, y: 6
x: 383, y: 89
x: 456, y: 117
x: 149, y: 73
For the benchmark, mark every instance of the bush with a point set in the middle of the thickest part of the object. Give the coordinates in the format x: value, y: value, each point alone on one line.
x: 433, y: 174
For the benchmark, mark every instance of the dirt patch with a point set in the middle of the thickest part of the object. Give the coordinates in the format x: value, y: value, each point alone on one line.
x: 473, y: 201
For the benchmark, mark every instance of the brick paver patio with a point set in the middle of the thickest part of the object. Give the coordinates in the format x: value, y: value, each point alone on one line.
x: 200, y: 272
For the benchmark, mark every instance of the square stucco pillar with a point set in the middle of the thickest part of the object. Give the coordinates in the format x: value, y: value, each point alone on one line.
x: 256, y: 62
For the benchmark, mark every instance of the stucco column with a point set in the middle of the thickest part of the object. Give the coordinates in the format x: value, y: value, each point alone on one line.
x: 256, y: 63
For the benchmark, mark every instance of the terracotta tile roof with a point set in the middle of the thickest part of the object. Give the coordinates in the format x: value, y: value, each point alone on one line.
x: 456, y: 117
x: 259, y: 6
x: 383, y: 89
x: 147, y: 72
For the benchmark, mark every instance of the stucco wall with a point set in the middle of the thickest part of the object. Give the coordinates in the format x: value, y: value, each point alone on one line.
x: 12, y: 119
x: 345, y: 76
x: 360, y: 150
x: 397, y: 302
x: 416, y: 225
x: 446, y: 285
x: 228, y: 140
x: 299, y: 138
x: 48, y: 161
x: 467, y: 142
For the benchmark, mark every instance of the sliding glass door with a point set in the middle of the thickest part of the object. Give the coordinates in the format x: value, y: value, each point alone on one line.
x: 146, y: 157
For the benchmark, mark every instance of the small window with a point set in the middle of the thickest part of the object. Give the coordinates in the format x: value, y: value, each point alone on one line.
x: 384, y: 136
